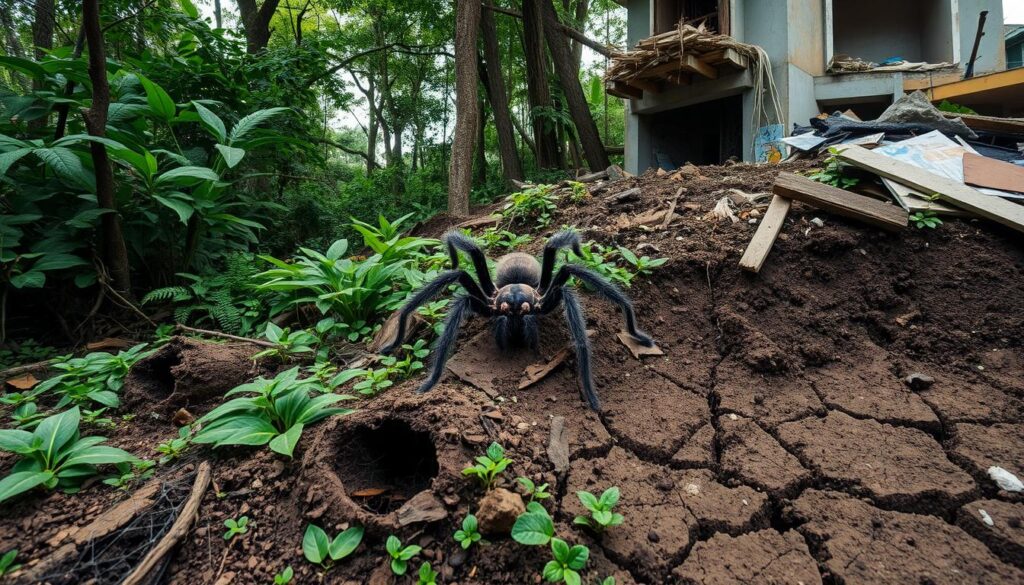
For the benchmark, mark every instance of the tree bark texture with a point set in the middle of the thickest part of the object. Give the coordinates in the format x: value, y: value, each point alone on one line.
x: 256, y: 22
x: 538, y: 93
x: 460, y: 173
x: 494, y: 83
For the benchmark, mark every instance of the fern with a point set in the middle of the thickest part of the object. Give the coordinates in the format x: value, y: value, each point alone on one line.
x: 175, y: 294
x: 224, y: 311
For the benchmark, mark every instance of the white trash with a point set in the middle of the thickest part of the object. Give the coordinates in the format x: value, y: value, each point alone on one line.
x: 1005, y: 479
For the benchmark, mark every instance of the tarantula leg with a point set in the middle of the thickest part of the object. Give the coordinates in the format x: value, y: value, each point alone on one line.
x: 606, y: 290
x: 459, y: 241
x: 563, y: 239
x: 578, y: 329
x: 452, y: 323
x: 531, y: 332
x: 429, y: 291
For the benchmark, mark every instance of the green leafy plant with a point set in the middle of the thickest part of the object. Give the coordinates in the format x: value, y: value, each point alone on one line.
x: 948, y: 106
x: 20, y: 398
x: 495, y: 238
x: 434, y: 312
x: 273, y: 411
x: 488, y: 466
x: 319, y: 549
x: 226, y: 300
x: 288, y: 343
x: 642, y: 266
x: 54, y: 455
x: 601, y: 514
x: 411, y: 361
x: 469, y: 533
x: 24, y: 352
x: 580, y: 193
x: 27, y: 416
x: 533, y: 527
x: 96, y: 377
x: 7, y: 565
x: 400, y: 555
x: 832, y: 172
x: 601, y: 259
x: 533, y: 490
x: 129, y: 474
x: 96, y: 418
x: 386, y: 240
x: 236, y: 527
x: 427, y: 575
x: 536, y: 204
x: 285, y: 576
x: 567, y: 562
x: 173, y: 449
x: 925, y: 220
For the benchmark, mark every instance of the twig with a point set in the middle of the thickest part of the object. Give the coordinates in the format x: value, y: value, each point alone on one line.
x: 223, y: 335
x: 672, y: 209
x: 188, y: 513
x: 18, y: 370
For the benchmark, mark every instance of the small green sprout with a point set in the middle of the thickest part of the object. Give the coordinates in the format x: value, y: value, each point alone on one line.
x: 567, y: 563
x: 534, y: 491
x: 925, y: 219
x: 173, y: 449
x: 129, y: 473
x: 319, y: 549
x: 7, y: 565
x: 427, y: 576
x: 469, y: 533
x: 489, y: 466
x: 236, y: 527
x: 400, y: 555
x: 285, y: 576
x: 601, y: 515
x: 533, y: 527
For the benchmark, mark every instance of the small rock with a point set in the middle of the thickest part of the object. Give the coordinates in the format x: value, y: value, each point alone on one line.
x: 653, y: 536
x: 183, y: 418
x: 918, y: 381
x: 498, y: 511
x: 818, y: 222
x: 692, y: 489
x: 457, y: 558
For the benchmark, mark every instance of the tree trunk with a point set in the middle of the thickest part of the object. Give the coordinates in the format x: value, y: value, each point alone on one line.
x: 115, y: 253
x: 582, y: 9
x: 217, y: 14
x: 569, y: 81
x: 481, y: 146
x: 494, y: 83
x: 42, y: 38
x: 256, y: 22
x: 460, y: 173
x: 538, y: 94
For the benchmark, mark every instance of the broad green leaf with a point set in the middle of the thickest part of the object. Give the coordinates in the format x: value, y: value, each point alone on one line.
x: 409, y: 552
x: 21, y: 482
x: 238, y: 430
x: 533, y: 529
x: 610, y: 497
x: 560, y: 549
x: 393, y: 545
x: 337, y: 249
x: 106, y: 398
x: 30, y: 279
x: 213, y: 124
x: 58, y: 262
x: 250, y: 122
x: 10, y: 157
x: 571, y: 577
x: 285, y: 442
x: 553, y: 572
x: 588, y: 499
x: 159, y: 101
x: 189, y: 9
x: 315, y: 544
x: 67, y: 166
x: 187, y: 176
x: 15, y: 441
x: 55, y: 431
x: 21, y: 65
x: 577, y: 557
x: 232, y: 156
x: 99, y: 455
x: 184, y: 209
x: 346, y: 542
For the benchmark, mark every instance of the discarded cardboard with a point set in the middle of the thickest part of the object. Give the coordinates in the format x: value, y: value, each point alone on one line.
x: 982, y: 171
x: 759, y: 247
x: 840, y: 202
x: 634, y: 346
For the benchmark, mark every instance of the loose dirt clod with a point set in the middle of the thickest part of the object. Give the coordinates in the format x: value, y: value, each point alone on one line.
x: 765, y: 556
x: 498, y: 510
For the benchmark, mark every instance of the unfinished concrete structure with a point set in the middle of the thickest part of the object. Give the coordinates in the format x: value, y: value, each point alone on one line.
x: 710, y: 120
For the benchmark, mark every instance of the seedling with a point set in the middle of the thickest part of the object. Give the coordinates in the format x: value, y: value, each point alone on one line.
x: 832, y: 172
x: 469, y: 534
x: 7, y: 565
x: 534, y: 491
x: 534, y: 526
x: 643, y: 265
x: 567, y: 562
x: 236, y: 527
x: 427, y: 576
x: 95, y: 417
x: 321, y: 550
x: 925, y: 219
x: 287, y: 343
x: 129, y: 474
x: 173, y: 449
x: 400, y: 555
x: 601, y: 515
x: 285, y: 576
x: 27, y: 416
x: 489, y: 466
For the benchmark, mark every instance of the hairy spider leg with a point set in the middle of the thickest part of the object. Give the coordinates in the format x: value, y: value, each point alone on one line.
x: 459, y: 241
x: 603, y: 288
x: 445, y: 343
x: 429, y: 291
x: 578, y: 329
x: 563, y: 239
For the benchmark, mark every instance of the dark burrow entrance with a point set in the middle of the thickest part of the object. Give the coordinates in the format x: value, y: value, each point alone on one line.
x: 382, y: 467
x: 153, y: 375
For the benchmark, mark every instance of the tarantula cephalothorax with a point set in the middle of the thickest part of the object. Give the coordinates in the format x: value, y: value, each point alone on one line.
x: 522, y: 292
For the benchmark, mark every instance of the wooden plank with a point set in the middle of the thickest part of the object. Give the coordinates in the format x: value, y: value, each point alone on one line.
x: 840, y: 202
x: 691, y: 63
x: 763, y: 240
x: 730, y: 57
x: 619, y: 89
x: 994, y: 208
x: 982, y: 171
x: 914, y: 201
x: 991, y: 123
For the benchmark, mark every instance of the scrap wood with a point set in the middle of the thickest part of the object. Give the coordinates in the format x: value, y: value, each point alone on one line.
x: 424, y: 507
x: 479, y: 221
x: 25, y: 369
x: 763, y: 240
x: 635, y: 346
x: 558, y: 445
x: 591, y: 177
x: 994, y: 208
x: 537, y: 372
x: 109, y: 343
x: 982, y: 171
x: 178, y: 530
x: 222, y: 335
x: 914, y: 201
x: 623, y: 196
x: 991, y: 124
x: 840, y: 202
x: 671, y: 214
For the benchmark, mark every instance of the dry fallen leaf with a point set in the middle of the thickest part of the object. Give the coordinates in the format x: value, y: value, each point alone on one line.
x: 635, y: 348
x: 368, y: 493
x: 23, y: 382
x: 537, y: 372
x: 108, y: 343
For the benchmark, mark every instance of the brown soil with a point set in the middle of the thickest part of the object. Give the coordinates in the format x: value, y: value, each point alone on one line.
x: 774, y: 442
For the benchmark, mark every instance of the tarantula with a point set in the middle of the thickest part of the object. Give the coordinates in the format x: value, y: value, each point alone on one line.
x: 522, y: 292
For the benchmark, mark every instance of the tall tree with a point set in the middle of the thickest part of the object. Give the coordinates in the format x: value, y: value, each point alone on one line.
x: 115, y: 253
x: 494, y: 83
x: 538, y: 93
x: 256, y: 22
x: 569, y: 80
x: 460, y: 173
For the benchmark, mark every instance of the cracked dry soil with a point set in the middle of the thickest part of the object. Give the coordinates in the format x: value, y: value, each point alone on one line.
x: 774, y: 442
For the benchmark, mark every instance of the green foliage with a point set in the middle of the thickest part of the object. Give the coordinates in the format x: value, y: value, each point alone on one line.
x: 288, y: 343
x: 495, y: 238
x: 96, y: 377
x: 469, y: 533
x: 536, y: 204
x: 174, y: 448
x: 567, y: 562
x: 948, y: 106
x: 7, y: 565
x: 285, y: 576
x: 410, y: 363
x: 601, y: 259
x: 534, y: 491
x: 319, y: 549
x: 533, y: 527
x: 129, y: 474
x: 488, y: 466
x: 400, y: 555
x: 832, y: 172
x: 925, y: 220
x: 27, y: 416
x: 642, y: 266
x: 601, y: 514
x: 236, y: 527
x: 427, y: 575
x: 272, y: 411
x: 54, y: 455
x: 25, y: 352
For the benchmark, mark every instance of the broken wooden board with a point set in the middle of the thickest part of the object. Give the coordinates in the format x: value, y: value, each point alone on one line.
x: 763, y: 240
x: 635, y: 347
x: 840, y: 202
x: 914, y: 201
x: 989, y: 207
x: 982, y: 171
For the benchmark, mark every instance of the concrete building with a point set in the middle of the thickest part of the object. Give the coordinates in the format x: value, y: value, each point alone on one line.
x: 710, y: 120
x: 1014, y: 38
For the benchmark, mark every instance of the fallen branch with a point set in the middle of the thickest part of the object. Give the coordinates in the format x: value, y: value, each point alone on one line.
x: 25, y: 369
x: 178, y: 530
x: 223, y: 335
